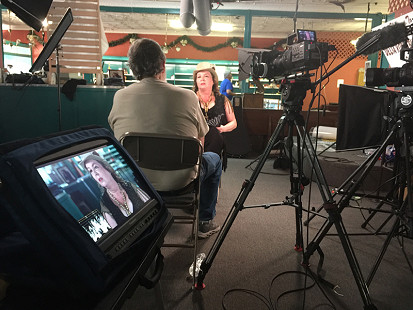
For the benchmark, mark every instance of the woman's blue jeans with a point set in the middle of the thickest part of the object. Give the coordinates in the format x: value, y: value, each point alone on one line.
x: 211, y: 170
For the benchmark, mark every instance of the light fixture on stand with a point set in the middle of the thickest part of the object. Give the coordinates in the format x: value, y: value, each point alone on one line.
x: 51, y: 45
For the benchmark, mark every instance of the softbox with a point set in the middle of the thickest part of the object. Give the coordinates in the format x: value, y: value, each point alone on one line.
x: 31, y: 12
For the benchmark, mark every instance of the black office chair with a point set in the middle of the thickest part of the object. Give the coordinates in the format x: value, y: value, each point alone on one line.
x: 167, y: 153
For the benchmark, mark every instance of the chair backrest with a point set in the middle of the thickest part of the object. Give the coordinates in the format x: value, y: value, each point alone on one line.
x: 167, y: 153
x: 163, y: 152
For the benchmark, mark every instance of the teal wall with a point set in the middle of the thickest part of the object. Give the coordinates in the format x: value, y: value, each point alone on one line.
x: 33, y: 111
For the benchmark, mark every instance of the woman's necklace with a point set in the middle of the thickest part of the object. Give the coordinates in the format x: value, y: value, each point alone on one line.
x: 205, y: 104
x: 124, y: 205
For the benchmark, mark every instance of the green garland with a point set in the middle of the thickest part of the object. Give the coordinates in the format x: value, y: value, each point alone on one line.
x: 183, y: 40
x: 125, y: 39
x: 32, y: 36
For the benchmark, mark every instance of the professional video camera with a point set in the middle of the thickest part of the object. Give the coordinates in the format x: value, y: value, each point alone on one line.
x: 393, y: 77
x: 303, y: 53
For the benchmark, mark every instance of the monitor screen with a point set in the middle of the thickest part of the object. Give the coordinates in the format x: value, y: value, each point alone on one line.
x: 101, y: 191
x: 306, y: 35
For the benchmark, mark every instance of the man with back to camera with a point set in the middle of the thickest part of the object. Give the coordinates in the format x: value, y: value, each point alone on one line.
x: 154, y: 106
x: 226, y: 88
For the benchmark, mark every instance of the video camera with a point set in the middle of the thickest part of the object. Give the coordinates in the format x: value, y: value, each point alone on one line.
x: 303, y: 53
x: 393, y: 77
x: 399, y: 77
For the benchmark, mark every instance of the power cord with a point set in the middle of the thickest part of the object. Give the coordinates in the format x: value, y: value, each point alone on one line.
x: 268, y: 302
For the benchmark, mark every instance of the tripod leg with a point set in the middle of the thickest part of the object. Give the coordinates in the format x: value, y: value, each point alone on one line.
x: 296, y: 186
x: 407, y: 141
x: 316, y: 169
x: 315, y: 165
x: 335, y: 219
x: 369, y: 162
x: 404, y: 193
x: 401, y: 244
x: 389, y: 195
x: 383, y: 250
x: 334, y: 215
x: 239, y: 203
x: 350, y: 186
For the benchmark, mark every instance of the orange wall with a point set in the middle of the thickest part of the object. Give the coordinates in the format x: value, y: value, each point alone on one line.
x: 349, y: 73
x: 22, y: 35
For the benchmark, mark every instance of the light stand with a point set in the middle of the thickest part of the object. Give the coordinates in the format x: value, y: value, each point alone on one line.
x: 59, y: 107
x: 51, y: 45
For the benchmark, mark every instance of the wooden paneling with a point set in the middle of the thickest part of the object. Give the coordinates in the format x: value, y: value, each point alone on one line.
x: 261, y: 123
x: 81, y: 45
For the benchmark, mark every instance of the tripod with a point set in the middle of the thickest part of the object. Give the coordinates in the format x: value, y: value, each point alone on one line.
x: 400, y: 195
x: 293, y: 93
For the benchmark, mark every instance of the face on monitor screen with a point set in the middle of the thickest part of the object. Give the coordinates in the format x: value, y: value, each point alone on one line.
x: 97, y: 188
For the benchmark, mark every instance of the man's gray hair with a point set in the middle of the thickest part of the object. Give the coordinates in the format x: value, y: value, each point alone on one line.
x: 146, y: 58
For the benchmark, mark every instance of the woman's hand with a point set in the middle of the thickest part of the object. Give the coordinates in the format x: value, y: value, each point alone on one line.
x: 221, y: 128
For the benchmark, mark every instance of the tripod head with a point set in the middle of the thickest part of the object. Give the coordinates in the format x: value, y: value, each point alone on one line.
x: 404, y: 101
x: 293, y: 92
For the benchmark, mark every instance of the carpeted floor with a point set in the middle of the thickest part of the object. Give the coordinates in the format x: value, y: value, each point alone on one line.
x: 256, y: 266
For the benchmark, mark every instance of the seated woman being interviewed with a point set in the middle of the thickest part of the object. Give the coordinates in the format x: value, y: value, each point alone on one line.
x: 119, y: 198
x: 216, y: 107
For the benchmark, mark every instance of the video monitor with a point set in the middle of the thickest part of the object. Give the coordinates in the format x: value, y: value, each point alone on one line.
x: 97, y: 187
x: 306, y: 35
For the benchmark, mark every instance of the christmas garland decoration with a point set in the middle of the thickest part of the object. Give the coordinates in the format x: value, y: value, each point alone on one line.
x: 33, y: 37
x: 183, y: 40
x: 127, y: 38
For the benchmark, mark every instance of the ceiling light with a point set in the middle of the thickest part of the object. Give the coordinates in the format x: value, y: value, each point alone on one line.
x: 221, y: 27
x: 362, y: 19
x: 45, y: 23
x: 176, y: 24
x: 215, y: 26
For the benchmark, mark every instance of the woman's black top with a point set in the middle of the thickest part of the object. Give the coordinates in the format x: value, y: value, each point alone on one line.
x: 214, y: 140
x: 114, y: 209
